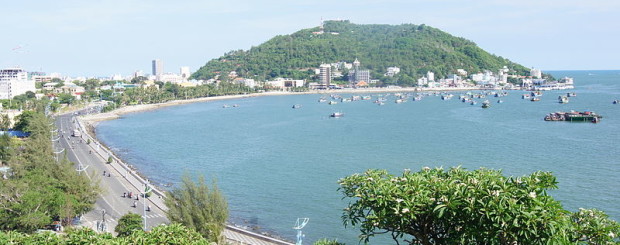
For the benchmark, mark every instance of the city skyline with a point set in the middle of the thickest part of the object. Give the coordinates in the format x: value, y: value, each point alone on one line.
x: 119, y: 37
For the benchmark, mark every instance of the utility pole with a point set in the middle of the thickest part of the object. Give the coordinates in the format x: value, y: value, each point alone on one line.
x: 301, y: 222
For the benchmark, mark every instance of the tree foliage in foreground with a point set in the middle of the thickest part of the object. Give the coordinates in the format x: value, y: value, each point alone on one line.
x: 198, y: 206
x: 129, y: 223
x: 172, y: 234
x: 434, y: 206
x: 39, y: 189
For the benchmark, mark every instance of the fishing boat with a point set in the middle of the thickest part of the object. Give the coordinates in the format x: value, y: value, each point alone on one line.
x: 337, y: 114
x: 486, y: 104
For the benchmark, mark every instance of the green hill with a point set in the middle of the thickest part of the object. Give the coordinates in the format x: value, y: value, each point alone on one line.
x: 415, y: 49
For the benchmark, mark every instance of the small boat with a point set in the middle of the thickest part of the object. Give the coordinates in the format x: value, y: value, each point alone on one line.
x: 473, y: 102
x: 534, y: 99
x: 333, y: 102
x: 381, y: 103
x: 486, y: 104
x: 563, y: 99
x: 500, y: 101
x: 337, y: 114
x: 573, y: 94
x: 235, y: 105
x: 322, y: 100
x: 296, y: 106
x: 225, y: 106
x: 398, y: 101
x: 615, y: 102
x: 525, y: 96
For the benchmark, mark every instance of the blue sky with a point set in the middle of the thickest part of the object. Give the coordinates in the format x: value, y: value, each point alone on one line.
x: 105, y: 37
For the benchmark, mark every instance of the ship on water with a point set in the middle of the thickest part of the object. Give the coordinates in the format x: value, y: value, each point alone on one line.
x: 574, y: 116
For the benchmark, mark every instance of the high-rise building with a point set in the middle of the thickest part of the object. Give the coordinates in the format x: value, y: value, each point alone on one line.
x: 13, y: 82
x: 358, y: 75
x: 325, y: 76
x: 158, y: 68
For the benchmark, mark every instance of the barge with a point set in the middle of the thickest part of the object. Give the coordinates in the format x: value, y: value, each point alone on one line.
x: 574, y: 116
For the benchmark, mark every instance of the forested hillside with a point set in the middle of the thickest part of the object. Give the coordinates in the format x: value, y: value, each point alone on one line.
x: 416, y: 49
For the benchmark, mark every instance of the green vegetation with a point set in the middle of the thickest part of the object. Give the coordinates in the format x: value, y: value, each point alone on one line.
x: 172, y: 234
x: 326, y: 241
x: 457, y: 206
x: 39, y: 189
x: 199, y: 207
x: 170, y: 91
x: 127, y: 224
x: 416, y: 49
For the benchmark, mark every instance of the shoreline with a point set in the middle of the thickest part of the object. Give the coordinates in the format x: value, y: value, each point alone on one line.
x: 94, y: 119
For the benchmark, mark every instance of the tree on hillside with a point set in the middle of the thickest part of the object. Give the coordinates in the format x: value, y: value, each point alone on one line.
x: 129, y: 223
x: 457, y: 206
x: 198, y: 206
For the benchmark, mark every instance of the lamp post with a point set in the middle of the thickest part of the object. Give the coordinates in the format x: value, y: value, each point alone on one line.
x: 147, y: 190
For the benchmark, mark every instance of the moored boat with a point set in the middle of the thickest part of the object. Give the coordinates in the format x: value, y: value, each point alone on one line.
x: 486, y: 104
x: 563, y: 99
x: 337, y: 114
x: 296, y: 106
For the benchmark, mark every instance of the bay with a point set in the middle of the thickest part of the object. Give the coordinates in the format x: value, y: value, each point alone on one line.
x: 276, y: 164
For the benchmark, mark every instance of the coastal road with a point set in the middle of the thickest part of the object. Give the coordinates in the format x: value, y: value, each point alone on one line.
x: 118, y: 179
x: 111, y: 204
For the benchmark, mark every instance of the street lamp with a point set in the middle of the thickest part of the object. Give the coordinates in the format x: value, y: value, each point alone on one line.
x: 147, y: 189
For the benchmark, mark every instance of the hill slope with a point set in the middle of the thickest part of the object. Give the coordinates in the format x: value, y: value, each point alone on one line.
x: 416, y: 49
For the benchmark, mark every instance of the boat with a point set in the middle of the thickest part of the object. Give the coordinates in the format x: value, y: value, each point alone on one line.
x: 563, y: 99
x: 322, y: 100
x: 398, y: 101
x: 235, y: 105
x: 337, y: 114
x: 473, y: 102
x: 296, y: 106
x: 500, y: 101
x: 574, y: 116
x: 534, y: 99
x: 525, y: 96
x: 615, y: 102
x: 381, y: 103
x: 333, y: 102
x: 486, y: 104
x: 225, y: 106
x: 573, y: 94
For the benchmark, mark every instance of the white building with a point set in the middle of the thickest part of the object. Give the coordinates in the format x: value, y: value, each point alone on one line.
x: 185, y: 72
x: 13, y: 82
x: 170, y: 77
x: 285, y: 83
x: 536, y: 73
x: 391, y: 71
x: 430, y: 76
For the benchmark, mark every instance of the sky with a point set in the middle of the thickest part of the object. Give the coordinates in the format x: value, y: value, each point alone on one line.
x: 98, y: 38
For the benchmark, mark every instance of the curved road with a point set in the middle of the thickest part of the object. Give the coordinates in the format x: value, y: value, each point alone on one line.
x: 111, y: 204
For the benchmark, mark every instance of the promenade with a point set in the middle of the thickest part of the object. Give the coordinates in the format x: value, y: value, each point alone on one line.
x: 91, y: 157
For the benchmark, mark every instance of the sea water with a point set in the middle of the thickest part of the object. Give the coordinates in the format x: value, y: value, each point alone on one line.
x: 275, y: 163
